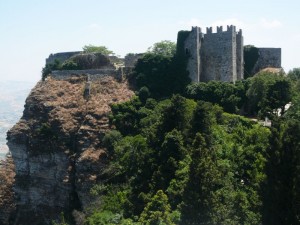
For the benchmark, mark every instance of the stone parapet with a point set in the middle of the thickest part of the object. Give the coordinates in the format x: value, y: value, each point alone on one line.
x: 93, y: 74
x: 61, y: 56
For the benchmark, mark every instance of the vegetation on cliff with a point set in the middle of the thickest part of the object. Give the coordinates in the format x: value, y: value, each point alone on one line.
x: 183, y: 159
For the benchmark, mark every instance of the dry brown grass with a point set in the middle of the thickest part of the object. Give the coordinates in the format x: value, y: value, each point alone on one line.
x: 78, y: 123
x: 7, y: 204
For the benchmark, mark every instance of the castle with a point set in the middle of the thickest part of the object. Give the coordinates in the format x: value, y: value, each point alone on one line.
x: 210, y: 56
x: 220, y: 56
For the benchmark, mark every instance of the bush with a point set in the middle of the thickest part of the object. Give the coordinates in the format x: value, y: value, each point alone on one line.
x: 70, y: 65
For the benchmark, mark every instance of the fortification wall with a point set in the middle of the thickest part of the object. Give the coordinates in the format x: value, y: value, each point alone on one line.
x: 239, y: 55
x: 192, y: 49
x: 93, y: 74
x: 218, y: 54
x: 131, y: 59
x: 62, y: 56
x: 268, y: 57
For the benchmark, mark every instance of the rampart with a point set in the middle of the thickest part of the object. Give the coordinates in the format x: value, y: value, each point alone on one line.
x: 61, y: 56
x: 93, y: 74
x: 267, y: 57
x: 131, y: 59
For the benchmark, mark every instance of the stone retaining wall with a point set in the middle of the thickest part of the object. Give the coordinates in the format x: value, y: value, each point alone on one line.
x: 93, y: 74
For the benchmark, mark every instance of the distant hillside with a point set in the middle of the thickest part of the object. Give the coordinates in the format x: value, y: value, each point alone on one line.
x: 12, y: 100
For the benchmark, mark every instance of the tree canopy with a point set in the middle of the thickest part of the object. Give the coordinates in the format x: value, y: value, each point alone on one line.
x: 165, y: 48
x: 97, y: 49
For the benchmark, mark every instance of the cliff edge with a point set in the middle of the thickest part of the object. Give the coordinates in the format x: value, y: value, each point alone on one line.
x: 56, y: 146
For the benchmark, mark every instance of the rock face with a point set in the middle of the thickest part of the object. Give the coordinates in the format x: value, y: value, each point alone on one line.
x: 7, y: 203
x: 56, y: 146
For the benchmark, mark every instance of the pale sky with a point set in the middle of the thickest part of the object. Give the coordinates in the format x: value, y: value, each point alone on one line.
x: 32, y: 29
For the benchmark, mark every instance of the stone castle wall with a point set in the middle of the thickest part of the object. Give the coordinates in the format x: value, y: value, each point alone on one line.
x: 240, y: 55
x: 93, y: 74
x: 192, y: 49
x: 267, y: 57
x: 215, y: 56
x: 131, y: 59
x: 219, y: 55
x: 62, y: 56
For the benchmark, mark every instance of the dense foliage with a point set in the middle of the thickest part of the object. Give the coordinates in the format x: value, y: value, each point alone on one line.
x: 186, y: 160
x: 180, y: 161
x: 230, y: 96
x: 57, y: 65
x: 162, y: 70
x: 166, y: 48
x: 251, y: 56
x: 268, y: 94
x: 97, y: 49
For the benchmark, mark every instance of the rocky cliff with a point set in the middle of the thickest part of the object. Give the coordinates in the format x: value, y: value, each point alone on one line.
x: 7, y: 203
x: 56, y: 146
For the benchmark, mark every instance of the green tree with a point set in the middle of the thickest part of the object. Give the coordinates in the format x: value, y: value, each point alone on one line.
x: 278, y: 95
x: 204, y: 117
x: 267, y: 93
x: 153, y: 72
x: 294, y: 74
x: 198, y: 204
x: 126, y: 116
x: 170, y: 154
x: 70, y: 65
x: 282, y: 189
x: 165, y: 48
x: 108, y: 218
x: 161, y: 71
x: 97, y: 49
x: 294, y: 77
x: 225, y: 94
x: 157, y: 211
x: 50, y: 67
x: 250, y: 57
x: 131, y: 154
x: 144, y: 94
x: 175, y: 116
x: 110, y: 139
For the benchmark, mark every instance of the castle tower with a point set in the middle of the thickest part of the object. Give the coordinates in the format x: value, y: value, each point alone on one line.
x: 240, y: 55
x: 192, y: 47
x: 215, y: 56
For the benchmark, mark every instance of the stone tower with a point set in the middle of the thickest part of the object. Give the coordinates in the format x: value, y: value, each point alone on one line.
x: 215, y: 56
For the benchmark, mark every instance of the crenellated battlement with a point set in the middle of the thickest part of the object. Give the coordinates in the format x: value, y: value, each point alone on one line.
x: 208, y: 30
x: 240, y: 33
x: 219, y: 29
x: 215, y: 56
x: 230, y: 29
x: 196, y: 29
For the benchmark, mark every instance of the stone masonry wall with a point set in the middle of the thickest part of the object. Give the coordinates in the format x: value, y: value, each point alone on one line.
x: 62, y: 56
x: 219, y: 55
x: 215, y: 56
x: 268, y: 57
x: 131, y: 59
x: 192, y: 49
x: 93, y: 74
x: 239, y: 55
